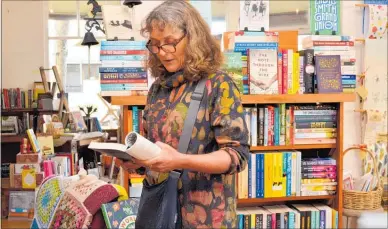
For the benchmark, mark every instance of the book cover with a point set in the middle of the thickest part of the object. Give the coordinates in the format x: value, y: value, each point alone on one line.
x: 46, y: 144
x: 325, y: 17
x: 33, y: 141
x: 233, y: 66
x: 28, y: 178
x: 328, y: 74
x: 263, y: 73
x: 117, y: 22
x: 121, y: 214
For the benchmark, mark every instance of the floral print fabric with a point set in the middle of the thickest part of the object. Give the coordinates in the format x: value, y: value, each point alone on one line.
x: 207, y: 200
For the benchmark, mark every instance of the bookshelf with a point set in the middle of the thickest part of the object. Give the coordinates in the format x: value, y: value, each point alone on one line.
x: 334, y: 201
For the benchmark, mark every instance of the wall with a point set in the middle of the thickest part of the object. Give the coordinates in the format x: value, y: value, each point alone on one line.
x: 23, y: 42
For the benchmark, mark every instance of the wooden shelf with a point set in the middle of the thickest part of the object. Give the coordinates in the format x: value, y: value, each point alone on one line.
x: 305, y: 98
x: 129, y: 100
x: 18, y: 111
x: 12, y: 138
x: 257, y: 99
x: 258, y: 201
x: 289, y: 147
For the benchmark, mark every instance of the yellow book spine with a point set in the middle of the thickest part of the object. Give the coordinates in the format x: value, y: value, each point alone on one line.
x: 268, y: 175
x: 295, y: 74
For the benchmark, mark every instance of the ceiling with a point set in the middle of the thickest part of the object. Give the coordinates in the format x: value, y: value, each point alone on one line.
x: 218, y: 7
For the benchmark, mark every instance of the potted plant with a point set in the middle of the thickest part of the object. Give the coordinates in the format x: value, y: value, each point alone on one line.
x: 88, y: 110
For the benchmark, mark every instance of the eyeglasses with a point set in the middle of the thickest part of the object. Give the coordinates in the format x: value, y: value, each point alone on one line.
x: 168, y: 48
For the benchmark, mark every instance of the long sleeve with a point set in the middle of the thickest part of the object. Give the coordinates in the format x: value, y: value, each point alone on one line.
x: 227, y: 120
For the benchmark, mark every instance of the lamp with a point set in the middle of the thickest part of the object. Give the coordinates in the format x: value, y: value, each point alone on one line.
x: 131, y: 3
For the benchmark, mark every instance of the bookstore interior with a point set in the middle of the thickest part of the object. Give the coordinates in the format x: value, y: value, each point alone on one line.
x: 310, y: 79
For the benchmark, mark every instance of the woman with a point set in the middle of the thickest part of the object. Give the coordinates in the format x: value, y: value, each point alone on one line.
x: 182, y: 51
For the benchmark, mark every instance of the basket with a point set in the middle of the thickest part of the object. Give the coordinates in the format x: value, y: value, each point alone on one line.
x: 359, y: 200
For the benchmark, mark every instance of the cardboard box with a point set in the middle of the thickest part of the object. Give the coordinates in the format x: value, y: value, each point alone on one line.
x: 28, y: 158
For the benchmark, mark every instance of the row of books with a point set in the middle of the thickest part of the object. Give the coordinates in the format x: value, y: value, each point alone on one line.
x: 343, y: 46
x: 16, y: 98
x: 259, y: 66
x: 122, y: 67
x: 281, y: 174
x: 281, y: 124
x: 304, y: 216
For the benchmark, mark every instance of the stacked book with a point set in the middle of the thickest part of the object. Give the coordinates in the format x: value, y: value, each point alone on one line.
x: 313, y: 124
x: 319, y: 176
x: 324, y: 45
x: 122, y: 71
x: 271, y: 174
x: 288, y: 216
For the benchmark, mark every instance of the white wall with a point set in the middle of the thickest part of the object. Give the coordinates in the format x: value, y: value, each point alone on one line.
x: 23, y: 42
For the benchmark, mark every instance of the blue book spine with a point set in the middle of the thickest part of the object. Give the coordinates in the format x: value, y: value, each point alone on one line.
x: 346, y: 81
x: 289, y: 169
x: 258, y: 175
x: 119, y: 48
x: 121, y: 70
x: 291, y: 220
x: 250, y: 176
x: 262, y: 175
x: 123, y: 43
x: 277, y: 126
x: 135, y: 118
x: 322, y: 219
x: 284, y: 173
x: 255, y: 44
x: 123, y: 57
x: 348, y: 77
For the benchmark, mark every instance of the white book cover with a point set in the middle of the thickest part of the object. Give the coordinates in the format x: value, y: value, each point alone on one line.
x: 253, y: 175
x: 254, y: 15
x: 263, y: 71
x: 117, y: 22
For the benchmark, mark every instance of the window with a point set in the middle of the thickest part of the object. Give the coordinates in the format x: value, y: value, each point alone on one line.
x: 66, y: 28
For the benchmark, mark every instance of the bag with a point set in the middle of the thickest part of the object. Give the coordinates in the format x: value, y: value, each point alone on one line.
x: 159, y: 206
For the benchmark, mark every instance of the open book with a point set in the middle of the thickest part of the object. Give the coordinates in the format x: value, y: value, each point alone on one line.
x: 135, y: 146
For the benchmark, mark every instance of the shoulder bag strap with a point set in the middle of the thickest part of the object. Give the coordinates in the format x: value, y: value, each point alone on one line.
x: 191, y: 116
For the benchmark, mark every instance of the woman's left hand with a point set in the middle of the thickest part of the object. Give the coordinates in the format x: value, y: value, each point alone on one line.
x: 168, y: 160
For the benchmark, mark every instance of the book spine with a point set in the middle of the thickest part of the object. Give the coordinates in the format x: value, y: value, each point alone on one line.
x: 123, y: 57
x: 285, y: 71
x: 280, y: 73
x: 121, y: 70
x: 276, y: 126
x: 122, y: 76
x: 123, y: 52
x: 314, y: 175
x: 261, y: 126
x: 306, y: 125
x: 319, y: 168
x: 318, y: 118
x: 308, y: 73
x: 289, y: 175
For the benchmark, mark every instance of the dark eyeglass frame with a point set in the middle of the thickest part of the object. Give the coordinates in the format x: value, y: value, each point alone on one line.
x: 174, y: 44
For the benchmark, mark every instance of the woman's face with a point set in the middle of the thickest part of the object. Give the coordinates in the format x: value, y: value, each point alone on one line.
x: 162, y: 43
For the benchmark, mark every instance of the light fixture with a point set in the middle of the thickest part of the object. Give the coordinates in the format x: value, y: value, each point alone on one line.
x: 297, y: 11
x: 131, y: 3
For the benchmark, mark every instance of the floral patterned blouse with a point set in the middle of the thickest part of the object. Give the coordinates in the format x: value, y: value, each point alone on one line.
x: 207, y: 200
